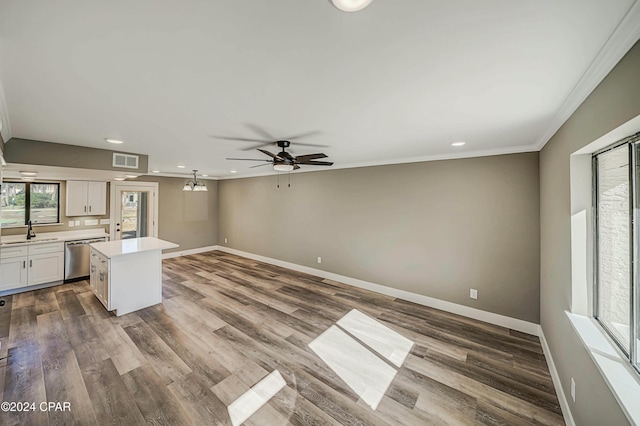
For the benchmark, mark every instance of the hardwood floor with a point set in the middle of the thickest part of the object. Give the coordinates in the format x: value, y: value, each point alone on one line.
x: 228, y: 324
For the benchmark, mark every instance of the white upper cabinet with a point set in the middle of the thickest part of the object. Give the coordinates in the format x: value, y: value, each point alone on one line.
x: 86, y: 198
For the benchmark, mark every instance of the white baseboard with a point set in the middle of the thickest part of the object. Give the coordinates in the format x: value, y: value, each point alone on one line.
x: 466, y: 311
x: 188, y: 252
x: 562, y: 398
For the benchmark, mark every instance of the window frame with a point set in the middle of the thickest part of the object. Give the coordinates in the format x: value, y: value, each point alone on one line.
x: 633, y: 146
x: 27, y: 203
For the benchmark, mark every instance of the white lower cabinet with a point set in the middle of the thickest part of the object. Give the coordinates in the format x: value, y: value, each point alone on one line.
x: 13, y: 273
x: 99, y: 278
x: 46, y: 268
x: 26, y: 265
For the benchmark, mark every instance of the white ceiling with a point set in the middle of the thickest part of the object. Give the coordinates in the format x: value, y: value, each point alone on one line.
x: 399, y: 80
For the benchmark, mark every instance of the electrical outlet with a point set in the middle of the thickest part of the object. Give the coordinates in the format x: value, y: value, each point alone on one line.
x: 71, y: 224
x: 473, y: 293
x: 226, y: 241
x: 319, y: 259
x: 573, y: 389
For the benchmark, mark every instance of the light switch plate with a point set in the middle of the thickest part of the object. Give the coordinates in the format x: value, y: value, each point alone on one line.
x: 90, y: 222
x: 70, y: 224
x: 105, y: 221
x: 77, y: 223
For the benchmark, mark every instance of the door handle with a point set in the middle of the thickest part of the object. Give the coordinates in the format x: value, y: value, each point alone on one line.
x: 30, y: 263
x: 85, y: 209
x: 24, y: 264
x: 89, y: 209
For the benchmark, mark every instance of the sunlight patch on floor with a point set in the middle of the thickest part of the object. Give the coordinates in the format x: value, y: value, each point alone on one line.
x: 354, y: 349
x: 259, y: 394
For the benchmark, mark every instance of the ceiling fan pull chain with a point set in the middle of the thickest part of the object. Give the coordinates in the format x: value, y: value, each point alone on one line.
x: 278, y: 179
x: 289, y: 175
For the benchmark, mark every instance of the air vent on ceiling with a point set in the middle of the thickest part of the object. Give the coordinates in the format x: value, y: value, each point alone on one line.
x: 125, y: 160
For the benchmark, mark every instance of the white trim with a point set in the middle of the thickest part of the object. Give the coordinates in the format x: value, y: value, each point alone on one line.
x: 142, y: 186
x: 466, y: 311
x: 387, y: 162
x: 614, y: 367
x: 625, y: 35
x: 562, y: 398
x: 188, y: 252
x: 4, y: 115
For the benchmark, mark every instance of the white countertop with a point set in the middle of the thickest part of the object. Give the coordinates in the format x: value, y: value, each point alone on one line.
x: 52, y: 237
x: 132, y: 245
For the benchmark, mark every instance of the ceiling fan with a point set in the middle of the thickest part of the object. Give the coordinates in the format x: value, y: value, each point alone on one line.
x: 284, y: 161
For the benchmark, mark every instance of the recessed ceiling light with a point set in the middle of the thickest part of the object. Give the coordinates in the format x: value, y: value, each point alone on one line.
x: 205, y: 175
x: 458, y: 143
x: 233, y: 171
x: 28, y: 179
x: 351, y: 5
x: 132, y: 176
x: 155, y: 171
x: 116, y: 141
x: 118, y: 178
x: 29, y: 173
x: 181, y: 167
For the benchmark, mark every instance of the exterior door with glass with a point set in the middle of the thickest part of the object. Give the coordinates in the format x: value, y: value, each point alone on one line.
x: 134, y: 207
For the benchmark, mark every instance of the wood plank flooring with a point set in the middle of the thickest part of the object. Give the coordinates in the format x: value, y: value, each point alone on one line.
x: 226, y: 323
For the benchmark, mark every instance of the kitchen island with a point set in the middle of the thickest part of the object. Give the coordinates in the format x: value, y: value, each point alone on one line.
x: 126, y: 275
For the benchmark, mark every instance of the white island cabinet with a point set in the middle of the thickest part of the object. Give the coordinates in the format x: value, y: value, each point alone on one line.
x: 126, y: 275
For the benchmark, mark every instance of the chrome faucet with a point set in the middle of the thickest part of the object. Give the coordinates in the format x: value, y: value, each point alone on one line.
x: 30, y: 233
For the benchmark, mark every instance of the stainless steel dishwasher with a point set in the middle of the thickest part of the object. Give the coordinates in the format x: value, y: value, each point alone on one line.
x: 76, y: 258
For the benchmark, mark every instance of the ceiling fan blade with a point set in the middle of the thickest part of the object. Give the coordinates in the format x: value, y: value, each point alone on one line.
x: 248, y: 159
x: 270, y: 154
x: 302, y: 135
x: 251, y: 148
x: 316, y: 163
x: 315, y: 145
x: 259, y: 130
x: 310, y: 157
x: 232, y: 138
x: 260, y: 165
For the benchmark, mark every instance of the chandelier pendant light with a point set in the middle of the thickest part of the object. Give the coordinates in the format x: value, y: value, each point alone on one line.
x: 351, y: 5
x: 194, y: 184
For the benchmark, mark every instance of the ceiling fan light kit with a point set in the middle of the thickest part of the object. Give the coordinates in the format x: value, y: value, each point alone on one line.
x: 194, y: 184
x: 283, y: 167
x: 351, y: 5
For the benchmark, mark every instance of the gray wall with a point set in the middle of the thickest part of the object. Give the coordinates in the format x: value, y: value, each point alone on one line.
x: 614, y: 102
x: 434, y: 228
x: 25, y: 151
x: 186, y: 218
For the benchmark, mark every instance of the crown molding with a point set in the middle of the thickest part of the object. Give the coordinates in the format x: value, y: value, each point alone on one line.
x: 4, y: 116
x: 422, y: 159
x: 621, y: 40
